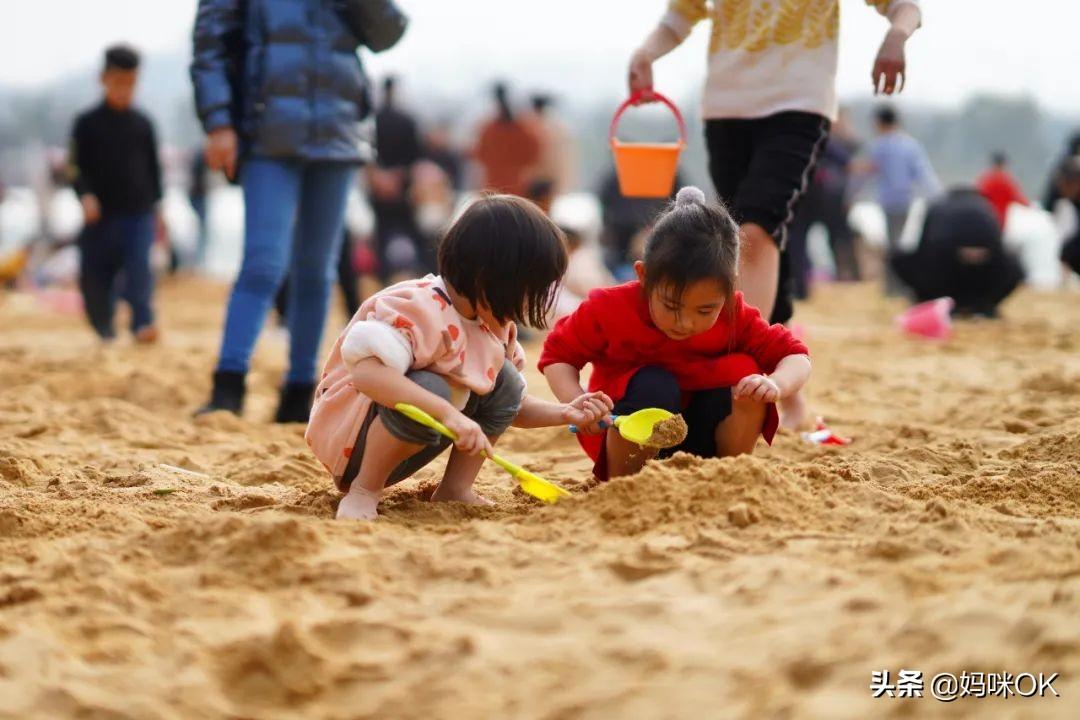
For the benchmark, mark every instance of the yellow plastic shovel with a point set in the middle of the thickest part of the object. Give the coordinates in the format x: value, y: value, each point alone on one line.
x: 531, y: 483
x: 637, y: 427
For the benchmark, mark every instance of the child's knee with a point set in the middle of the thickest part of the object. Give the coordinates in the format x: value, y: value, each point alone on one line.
x: 749, y: 409
x: 497, y: 410
x: 652, y: 387
x: 406, y: 429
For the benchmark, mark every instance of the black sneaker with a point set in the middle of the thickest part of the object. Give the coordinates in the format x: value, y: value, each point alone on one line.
x: 228, y: 394
x: 295, y: 403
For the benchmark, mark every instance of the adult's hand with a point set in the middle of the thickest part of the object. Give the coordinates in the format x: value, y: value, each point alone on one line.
x: 91, y: 208
x: 221, y: 149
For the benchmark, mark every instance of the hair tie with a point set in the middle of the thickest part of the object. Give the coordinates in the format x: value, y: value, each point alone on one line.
x: 690, y: 195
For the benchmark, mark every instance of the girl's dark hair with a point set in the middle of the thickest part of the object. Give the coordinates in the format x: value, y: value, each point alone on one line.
x: 505, y: 252
x: 692, y: 240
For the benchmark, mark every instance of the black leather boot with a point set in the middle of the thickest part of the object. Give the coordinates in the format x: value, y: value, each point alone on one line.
x: 295, y: 403
x: 228, y: 394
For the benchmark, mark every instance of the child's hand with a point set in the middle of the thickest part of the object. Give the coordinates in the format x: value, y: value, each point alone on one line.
x: 640, y: 76
x: 757, y: 387
x: 470, y: 438
x: 586, y: 411
x: 889, y: 67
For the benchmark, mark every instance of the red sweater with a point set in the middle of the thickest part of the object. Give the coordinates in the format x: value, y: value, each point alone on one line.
x: 613, y: 331
x: 1001, y: 190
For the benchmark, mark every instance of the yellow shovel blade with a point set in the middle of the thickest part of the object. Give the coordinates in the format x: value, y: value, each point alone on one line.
x: 539, y: 488
x: 531, y: 484
x: 637, y: 427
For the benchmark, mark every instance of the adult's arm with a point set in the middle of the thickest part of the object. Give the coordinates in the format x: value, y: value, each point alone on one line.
x: 889, y: 73
x: 674, y: 27
x: 215, y: 22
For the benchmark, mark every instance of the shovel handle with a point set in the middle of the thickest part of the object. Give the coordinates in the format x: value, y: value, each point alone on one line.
x: 603, y: 424
x: 636, y: 98
x: 414, y: 413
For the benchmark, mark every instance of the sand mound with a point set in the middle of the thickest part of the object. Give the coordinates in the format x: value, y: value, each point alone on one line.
x: 155, y: 566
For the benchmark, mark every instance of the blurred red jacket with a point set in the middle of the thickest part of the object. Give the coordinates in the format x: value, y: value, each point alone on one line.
x: 999, y: 187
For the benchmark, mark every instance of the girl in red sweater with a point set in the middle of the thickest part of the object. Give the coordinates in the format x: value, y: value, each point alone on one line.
x: 678, y: 338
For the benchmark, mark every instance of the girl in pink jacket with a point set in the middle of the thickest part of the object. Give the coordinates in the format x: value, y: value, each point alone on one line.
x: 447, y: 344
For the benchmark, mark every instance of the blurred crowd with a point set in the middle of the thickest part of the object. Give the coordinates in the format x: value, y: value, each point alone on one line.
x: 925, y: 240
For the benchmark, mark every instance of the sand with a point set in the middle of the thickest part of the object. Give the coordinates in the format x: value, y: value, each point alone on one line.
x: 945, y: 538
x: 668, y: 433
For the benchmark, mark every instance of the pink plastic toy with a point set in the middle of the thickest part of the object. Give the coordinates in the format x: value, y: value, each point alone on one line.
x: 931, y: 319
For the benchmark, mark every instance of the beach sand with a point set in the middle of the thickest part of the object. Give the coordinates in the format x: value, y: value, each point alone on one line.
x: 945, y: 538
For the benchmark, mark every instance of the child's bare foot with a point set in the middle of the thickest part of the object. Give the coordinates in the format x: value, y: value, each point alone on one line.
x: 468, y: 496
x: 359, y: 504
x: 793, y: 413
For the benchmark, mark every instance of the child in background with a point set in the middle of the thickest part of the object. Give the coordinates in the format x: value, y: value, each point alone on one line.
x: 115, y: 171
x: 678, y: 338
x: 448, y: 345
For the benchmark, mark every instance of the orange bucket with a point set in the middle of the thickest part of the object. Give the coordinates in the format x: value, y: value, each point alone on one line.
x: 646, y: 170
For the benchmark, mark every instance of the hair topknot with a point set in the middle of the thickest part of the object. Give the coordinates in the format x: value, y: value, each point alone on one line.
x: 690, y: 195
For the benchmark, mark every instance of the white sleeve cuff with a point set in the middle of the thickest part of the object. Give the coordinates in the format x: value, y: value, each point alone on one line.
x: 894, y: 5
x: 373, y: 338
x: 678, y: 24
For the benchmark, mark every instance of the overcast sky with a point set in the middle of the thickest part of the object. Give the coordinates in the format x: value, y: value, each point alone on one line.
x: 580, y: 47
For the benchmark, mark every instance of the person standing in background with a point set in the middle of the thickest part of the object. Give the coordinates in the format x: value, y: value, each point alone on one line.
x: 999, y: 187
x: 555, y: 170
x: 826, y: 202
x: 116, y: 173
x: 624, y: 222
x: 439, y: 149
x: 1067, y: 181
x: 1053, y: 184
x: 901, y: 170
x: 507, y: 149
x: 399, y: 244
x: 282, y: 94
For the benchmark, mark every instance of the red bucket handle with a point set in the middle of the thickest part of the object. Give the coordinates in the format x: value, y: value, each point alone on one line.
x: 636, y: 98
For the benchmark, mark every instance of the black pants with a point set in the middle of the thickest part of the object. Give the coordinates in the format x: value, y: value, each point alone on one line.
x: 655, y: 387
x: 821, y: 205
x: 977, y: 288
x: 1070, y: 253
x: 761, y: 167
x: 400, y: 245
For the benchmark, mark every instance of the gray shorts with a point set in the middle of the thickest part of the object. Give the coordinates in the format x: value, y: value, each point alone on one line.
x: 492, y: 412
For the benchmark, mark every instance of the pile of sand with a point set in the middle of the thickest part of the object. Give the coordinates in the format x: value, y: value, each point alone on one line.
x: 154, y: 566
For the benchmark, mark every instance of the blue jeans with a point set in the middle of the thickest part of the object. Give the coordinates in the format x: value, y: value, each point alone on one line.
x: 294, y: 213
x: 114, y: 263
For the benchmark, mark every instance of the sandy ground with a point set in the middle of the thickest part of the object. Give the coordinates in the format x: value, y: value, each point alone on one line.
x: 946, y: 538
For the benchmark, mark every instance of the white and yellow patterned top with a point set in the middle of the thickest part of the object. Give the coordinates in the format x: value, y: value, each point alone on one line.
x: 768, y: 56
